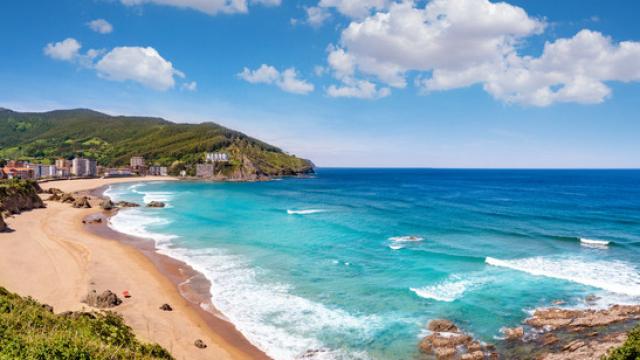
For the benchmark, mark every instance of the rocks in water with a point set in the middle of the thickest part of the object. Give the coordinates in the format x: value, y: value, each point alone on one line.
x: 156, y: 204
x: 166, y: 307
x: 67, y: 198
x: 107, y: 204
x: 124, y: 204
x: 591, y: 299
x: 515, y: 333
x: 447, y: 342
x: 105, y: 300
x: 556, y: 318
x: 200, y: 344
x: 581, y: 349
x: 82, y: 202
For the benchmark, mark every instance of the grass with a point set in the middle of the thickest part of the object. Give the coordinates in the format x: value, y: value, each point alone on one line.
x: 30, y: 331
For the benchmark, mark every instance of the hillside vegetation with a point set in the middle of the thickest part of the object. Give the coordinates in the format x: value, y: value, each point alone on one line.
x: 113, y: 140
x: 29, y: 330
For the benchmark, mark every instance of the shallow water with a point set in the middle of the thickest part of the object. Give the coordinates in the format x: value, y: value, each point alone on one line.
x: 355, y: 262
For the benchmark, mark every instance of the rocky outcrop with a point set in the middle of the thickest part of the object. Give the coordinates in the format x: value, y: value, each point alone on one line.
x: 54, y: 191
x: 125, y: 204
x: 575, y: 320
x: 3, y: 225
x: 19, y: 195
x: 156, y: 204
x: 105, y: 300
x: 82, y: 202
x: 515, y: 333
x: 107, y: 204
x: 67, y: 198
x: 447, y: 342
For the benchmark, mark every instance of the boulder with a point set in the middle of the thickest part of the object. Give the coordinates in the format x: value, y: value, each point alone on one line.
x: 105, y: 300
x: 441, y: 325
x: 3, y: 225
x: 82, y: 202
x: 55, y: 197
x: 55, y: 191
x: 67, y: 198
x: 166, y: 307
x: 515, y: 333
x: 107, y: 204
x: 156, y: 204
x: 124, y: 204
x: 200, y: 344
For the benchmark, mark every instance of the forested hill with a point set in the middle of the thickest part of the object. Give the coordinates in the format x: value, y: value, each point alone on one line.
x: 113, y: 140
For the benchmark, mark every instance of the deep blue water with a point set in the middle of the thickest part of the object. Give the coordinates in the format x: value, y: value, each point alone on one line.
x: 355, y: 262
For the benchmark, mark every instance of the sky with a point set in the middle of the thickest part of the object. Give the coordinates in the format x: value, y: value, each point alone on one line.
x: 353, y: 83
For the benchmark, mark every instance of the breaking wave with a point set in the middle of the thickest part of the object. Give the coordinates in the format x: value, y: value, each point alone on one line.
x: 304, y: 212
x: 448, y: 290
x: 592, y: 243
x: 613, y: 276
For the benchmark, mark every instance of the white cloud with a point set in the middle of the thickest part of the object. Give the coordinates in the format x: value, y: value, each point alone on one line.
x: 101, y: 26
x: 286, y: 80
x: 140, y: 64
x: 458, y: 43
x: 355, y: 8
x: 361, y: 89
x: 189, y: 86
x: 210, y: 7
x: 316, y: 16
x: 64, y: 50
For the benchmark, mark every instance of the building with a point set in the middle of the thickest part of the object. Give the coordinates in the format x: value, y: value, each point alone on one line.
x: 63, y: 164
x: 119, y: 172
x: 205, y: 170
x: 215, y: 157
x: 157, y: 170
x: 137, y: 162
x: 42, y: 171
x: 83, y: 167
x: 11, y: 172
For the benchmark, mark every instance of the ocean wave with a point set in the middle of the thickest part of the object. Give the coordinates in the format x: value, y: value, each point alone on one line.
x: 305, y: 212
x: 136, y: 222
x: 612, y: 276
x: 592, y: 243
x: 164, y: 196
x: 283, y: 325
x: 407, y: 238
x: 448, y: 290
x: 396, y: 246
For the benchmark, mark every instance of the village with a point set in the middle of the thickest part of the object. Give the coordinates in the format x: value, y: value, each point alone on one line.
x: 81, y: 167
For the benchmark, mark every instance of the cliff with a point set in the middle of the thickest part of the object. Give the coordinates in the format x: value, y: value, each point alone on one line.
x: 17, y: 196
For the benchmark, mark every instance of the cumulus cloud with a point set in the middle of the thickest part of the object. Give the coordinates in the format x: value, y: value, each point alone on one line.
x: 140, y: 64
x: 189, y: 86
x: 286, y: 80
x: 67, y: 49
x: 316, y: 15
x: 355, y: 8
x: 458, y: 43
x: 101, y: 26
x: 210, y: 7
x: 361, y: 89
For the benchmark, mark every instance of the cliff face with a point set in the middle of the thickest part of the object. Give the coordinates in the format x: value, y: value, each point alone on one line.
x: 17, y: 196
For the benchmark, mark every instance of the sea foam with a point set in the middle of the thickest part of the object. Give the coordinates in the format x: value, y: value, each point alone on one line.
x: 136, y: 222
x: 304, y: 212
x: 448, y: 290
x: 613, y: 276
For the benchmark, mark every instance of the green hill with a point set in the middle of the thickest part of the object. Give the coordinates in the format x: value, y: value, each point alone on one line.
x: 113, y: 140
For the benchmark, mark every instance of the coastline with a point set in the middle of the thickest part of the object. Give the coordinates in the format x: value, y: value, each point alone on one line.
x: 55, y: 258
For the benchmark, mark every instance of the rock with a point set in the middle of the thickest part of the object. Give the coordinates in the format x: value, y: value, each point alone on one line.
x: 126, y: 204
x: 549, y: 339
x: 574, y: 345
x: 55, y: 191
x: 55, y: 197
x: 105, y: 300
x: 441, y: 325
x: 67, y: 198
x: 82, y: 202
x: 476, y: 355
x: 513, y: 333
x: 166, y: 307
x: 47, y: 307
x: 156, y: 204
x: 78, y: 314
x: 200, y: 344
x: 3, y: 225
x: 591, y: 299
x: 92, y: 220
x: 107, y: 204
x: 558, y: 302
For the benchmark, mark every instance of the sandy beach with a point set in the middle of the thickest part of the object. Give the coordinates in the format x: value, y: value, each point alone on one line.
x: 54, y: 258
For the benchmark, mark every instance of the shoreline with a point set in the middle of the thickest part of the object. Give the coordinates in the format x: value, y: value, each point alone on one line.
x: 55, y: 258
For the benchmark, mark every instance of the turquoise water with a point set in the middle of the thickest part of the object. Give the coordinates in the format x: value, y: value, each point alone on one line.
x: 354, y: 263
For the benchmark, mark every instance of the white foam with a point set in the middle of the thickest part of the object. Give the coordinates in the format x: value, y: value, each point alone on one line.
x: 613, y: 276
x: 407, y: 238
x: 395, y: 246
x: 448, y: 290
x: 592, y: 243
x: 136, y: 222
x: 280, y: 323
x: 304, y: 212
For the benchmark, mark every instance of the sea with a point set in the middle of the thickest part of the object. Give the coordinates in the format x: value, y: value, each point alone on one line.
x: 353, y: 263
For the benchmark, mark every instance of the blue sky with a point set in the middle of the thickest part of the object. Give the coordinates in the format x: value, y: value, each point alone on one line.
x: 444, y: 83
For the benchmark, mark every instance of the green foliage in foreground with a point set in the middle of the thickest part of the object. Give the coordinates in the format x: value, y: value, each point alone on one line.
x: 29, y: 331
x: 113, y: 140
x: 630, y: 350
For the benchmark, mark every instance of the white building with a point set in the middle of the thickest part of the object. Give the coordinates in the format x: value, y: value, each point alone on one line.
x: 42, y: 171
x: 83, y: 167
x: 157, y: 170
x: 213, y: 157
x: 137, y: 162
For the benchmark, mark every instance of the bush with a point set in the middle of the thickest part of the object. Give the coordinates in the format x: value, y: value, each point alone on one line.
x: 630, y: 350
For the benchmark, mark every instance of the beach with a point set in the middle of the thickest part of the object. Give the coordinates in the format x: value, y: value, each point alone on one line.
x: 52, y: 256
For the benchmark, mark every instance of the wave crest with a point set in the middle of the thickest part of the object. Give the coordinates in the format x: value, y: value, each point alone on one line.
x: 304, y: 212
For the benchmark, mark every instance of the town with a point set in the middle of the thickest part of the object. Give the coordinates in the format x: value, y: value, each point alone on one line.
x: 81, y: 167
